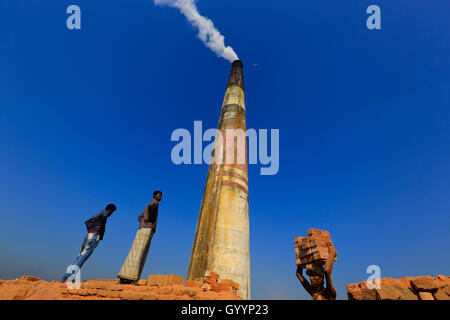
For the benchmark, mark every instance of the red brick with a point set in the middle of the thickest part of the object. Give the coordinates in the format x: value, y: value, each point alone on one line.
x: 142, y: 282
x: 193, y: 283
x: 206, y: 287
x: 193, y: 291
x: 298, y: 240
x: 211, y: 274
x: 183, y: 297
x: 131, y: 295
x: 210, y: 277
x: 92, y: 292
x: 29, y: 278
x: 440, y: 295
x: 230, y: 282
x: 426, y: 296
x: 179, y: 290
x: 425, y: 284
x: 165, y: 290
x: 103, y: 293
x: 216, y: 287
x: 81, y: 292
x: 313, y: 231
x: 175, y: 279
x: 166, y: 297
x: 163, y: 280
x: 114, y: 294
x: 150, y: 296
x: 225, y: 287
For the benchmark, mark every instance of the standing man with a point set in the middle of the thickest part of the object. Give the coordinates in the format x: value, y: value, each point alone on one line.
x: 316, y: 274
x: 135, y: 261
x: 96, y: 229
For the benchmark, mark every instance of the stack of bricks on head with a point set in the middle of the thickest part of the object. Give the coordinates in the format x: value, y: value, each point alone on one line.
x: 312, y: 249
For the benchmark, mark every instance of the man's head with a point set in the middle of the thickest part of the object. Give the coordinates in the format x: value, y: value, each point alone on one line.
x: 316, y: 276
x: 110, y: 208
x: 157, y: 195
x: 316, y: 281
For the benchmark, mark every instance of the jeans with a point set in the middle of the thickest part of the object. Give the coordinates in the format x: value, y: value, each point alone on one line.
x: 90, y: 242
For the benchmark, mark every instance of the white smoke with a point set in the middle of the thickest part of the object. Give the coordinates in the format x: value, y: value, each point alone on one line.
x: 210, y: 36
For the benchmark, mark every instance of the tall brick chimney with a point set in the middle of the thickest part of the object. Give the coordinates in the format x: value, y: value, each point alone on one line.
x: 222, y: 243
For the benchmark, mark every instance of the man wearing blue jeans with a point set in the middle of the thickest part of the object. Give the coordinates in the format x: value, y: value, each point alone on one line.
x: 96, y: 229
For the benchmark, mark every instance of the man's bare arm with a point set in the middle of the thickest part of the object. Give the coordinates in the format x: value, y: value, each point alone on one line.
x: 302, y: 280
x: 329, y: 268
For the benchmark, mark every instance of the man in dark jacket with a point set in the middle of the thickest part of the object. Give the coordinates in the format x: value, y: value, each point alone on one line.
x: 96, y: 229
x: 134, y: 263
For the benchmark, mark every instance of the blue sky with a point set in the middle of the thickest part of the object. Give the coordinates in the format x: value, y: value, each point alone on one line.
x: 86, y: 118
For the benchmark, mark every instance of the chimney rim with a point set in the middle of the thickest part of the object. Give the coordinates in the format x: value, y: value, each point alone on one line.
x: 238, y: 63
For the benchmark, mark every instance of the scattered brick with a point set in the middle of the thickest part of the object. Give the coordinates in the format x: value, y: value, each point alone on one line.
x: 125, y: 295
x: 210, y: 277
x: 206, y: 287
x: 114, y: 294
x: 29, y: 278
x: 440, y: 295
x: 163, y: 280
x: 106, y: 293
x: 193, y: 283
x: 142, y: 282
x: 183, y: 297
x: 425, y: 284
x: 193, y: 291
x: 150, y: 296
x: 165, y: 290
x: 446, y: 289
x: 82, y: 292
x: 388, y: 293
x: 92, y: 292
x: 313, y: 248
x: 166, y: 297
x: 406, y: 288
x: 425, y: 295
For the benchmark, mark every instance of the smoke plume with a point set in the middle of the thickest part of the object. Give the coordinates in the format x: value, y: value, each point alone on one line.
x: 210, y: 36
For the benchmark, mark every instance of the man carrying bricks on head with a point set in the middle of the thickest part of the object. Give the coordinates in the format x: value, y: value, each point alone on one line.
x: 134, y: 264
x: 312, y: 252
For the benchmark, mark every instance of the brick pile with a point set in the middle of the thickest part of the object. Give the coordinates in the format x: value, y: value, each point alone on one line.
x: 211, y: 283
x: 406, y: 288
x: 312, y: 249
x: 162, y: 280
x: 156, y: 287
